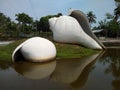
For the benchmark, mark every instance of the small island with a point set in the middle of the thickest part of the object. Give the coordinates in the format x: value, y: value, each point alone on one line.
x: 63, y: 50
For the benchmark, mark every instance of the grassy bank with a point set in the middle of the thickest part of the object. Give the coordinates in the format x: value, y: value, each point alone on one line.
x: 63, y: 51
x: 72, y: 51
x: 6, y: 51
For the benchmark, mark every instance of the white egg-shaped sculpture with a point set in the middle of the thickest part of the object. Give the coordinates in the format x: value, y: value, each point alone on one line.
x: 35, y: 49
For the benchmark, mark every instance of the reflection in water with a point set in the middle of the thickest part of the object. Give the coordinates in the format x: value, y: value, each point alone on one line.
x: 82, y: 79
x: 68, y: 71
x: 35, y: 70
x: 100, y: 71
x: 112, y: 58
x: 4, y: 65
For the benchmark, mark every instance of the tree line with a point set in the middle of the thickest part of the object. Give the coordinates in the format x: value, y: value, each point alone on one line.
x: 24, y: 27
x: 111, y: 24
x: 27, y: 27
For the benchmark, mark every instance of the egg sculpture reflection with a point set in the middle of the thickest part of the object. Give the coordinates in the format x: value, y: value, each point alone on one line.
x: 66, y: 29
x: 35, y: 70
x: 35, y: 49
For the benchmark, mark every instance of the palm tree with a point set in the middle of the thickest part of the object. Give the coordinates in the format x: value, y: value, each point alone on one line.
x: 91, y: 17
x: 117, y: 13
x: 109, y: 16
x: 117, y: 10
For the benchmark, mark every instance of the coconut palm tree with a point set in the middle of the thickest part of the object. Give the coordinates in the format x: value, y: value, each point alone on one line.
x: 91, y: 17
x: 117, y: 13
x: 117, y: 10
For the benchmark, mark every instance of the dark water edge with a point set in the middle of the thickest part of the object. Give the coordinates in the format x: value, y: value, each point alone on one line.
x: 100, y: 71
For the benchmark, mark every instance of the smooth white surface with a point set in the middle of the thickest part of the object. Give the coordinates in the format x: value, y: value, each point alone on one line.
x: 37, y: 49
x: 66, y: 29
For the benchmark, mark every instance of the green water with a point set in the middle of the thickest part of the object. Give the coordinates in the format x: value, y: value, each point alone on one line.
x: 100, y: 71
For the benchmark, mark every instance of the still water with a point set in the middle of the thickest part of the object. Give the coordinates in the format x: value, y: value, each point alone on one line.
x: 100, y: 71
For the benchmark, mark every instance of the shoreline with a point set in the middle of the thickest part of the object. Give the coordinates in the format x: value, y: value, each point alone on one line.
x: 63, y: 50
x: 108, y: 42
x: 2, y: 43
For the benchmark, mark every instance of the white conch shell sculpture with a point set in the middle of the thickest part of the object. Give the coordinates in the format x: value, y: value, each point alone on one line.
x: 35, y: 49
x: 83, y: 21
x: 66, y: 29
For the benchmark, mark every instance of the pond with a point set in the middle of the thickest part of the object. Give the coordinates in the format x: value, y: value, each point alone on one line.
x: 100, y: 71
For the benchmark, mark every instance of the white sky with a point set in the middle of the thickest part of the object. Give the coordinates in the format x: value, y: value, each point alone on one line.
x: 39, y: 8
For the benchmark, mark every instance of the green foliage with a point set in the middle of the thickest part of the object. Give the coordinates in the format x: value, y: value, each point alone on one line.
x: 4, y: 21
x: 117, y: 0
x: 91, y: 17
x: 117, y: 13
x: 24, y: 18
x: 110, y: 25
x: 7, y: 27
x: 43, y: 23
x: 6, y: 51
x: 26, y: 26
x: 103, y: 24
x: 113, y: 25
x: 72, y: 51
x: 109, y: 16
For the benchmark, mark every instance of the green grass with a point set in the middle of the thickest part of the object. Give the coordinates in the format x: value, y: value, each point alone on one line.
x: 6, y: 51
x: 72, y: 51
x: 63, y: 51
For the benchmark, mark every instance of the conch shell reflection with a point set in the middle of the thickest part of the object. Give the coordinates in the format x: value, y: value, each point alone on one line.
x: 68, y: 71
x: 35, y: 70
